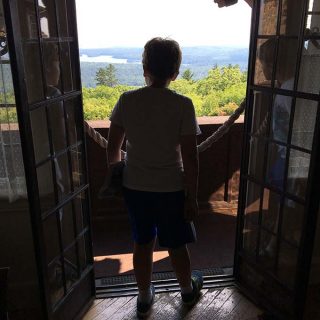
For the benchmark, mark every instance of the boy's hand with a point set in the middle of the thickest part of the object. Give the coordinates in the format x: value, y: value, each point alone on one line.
x: 191, y: 209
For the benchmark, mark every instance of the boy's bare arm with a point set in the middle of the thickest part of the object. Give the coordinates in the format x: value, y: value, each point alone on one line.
x: 115, y: 141
x: 190, y: 160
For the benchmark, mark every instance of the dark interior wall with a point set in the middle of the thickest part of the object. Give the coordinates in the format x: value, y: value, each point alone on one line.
x: 17, y: 253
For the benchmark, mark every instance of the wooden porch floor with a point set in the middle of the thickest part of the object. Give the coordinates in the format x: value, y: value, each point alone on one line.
x: 214, y: 304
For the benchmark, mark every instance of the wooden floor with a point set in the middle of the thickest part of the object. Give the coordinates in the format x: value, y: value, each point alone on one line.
x: 214, y: 304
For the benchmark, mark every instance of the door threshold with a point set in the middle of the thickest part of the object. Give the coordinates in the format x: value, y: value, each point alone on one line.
x: 120, y: 286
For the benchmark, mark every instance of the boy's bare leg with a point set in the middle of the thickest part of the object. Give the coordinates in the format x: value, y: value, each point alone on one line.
x: 181, y: 265
x: 142, y: 263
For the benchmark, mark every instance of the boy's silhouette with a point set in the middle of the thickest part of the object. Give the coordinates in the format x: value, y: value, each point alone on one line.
x: 160, y: 177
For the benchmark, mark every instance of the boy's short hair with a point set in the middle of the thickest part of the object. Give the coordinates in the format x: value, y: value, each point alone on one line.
x: 162, y: 58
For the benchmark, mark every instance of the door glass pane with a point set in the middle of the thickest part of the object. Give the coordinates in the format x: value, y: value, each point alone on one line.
x: 66, y: 67
x: 250, y: 231
x: 253, y: 202
x: 276, y: 165
x: 52, y: 69
x: 62, y: 175
x: 292, y: 221
x: 45, y: 185
x: 280, y: 118
x: 63, y: 20
x: 309, y: 75
x: 33, y: 73
x: 268, y: 17
x: 291, y: 12
x: 71, y: 267
x: 298, y: 172
x: 270, y: 210
x: 67, y: 226
x: 40, y: 136
x: 80, y: 211
x: 27, y: 19
x: 47, y: 17
x: 287, y: 264
x: 261, y: 106
x: 305, y: 115
x: 55, y: 277
x: 57, y: 126
x: 256, y: 162
x: 264, y: 62
x: 267, y: 252
x: 73, y: 126
x: 84, y: 252
x: 77, y: 169
x: 51, y: 236
x: 286, y: 63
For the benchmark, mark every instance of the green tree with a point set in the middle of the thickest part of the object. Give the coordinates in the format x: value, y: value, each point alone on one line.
x: 106, y: 76
x: 101, y: 77
x: 111, y: 76
x: 187, y: 75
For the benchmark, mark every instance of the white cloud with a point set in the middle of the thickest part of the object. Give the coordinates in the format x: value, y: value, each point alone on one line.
x: 108, y: 23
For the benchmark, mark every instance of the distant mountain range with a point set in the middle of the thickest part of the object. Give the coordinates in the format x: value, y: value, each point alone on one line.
x: 128, y: 62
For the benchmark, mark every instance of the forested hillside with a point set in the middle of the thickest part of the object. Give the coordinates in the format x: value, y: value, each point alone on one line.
x: 218, y: 93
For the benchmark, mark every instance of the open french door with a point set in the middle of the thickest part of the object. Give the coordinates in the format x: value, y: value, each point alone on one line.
x: 43, y: 44
x: 279, y: 200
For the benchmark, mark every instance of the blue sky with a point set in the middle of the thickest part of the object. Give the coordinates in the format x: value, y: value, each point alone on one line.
x: 110, y: 23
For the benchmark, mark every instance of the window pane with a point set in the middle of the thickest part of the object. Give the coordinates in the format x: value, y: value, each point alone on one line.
x: 253, y: 202
x: 268, y: 17
x: 81, y: 211
x: 62, y: 175
x: 73, y: 123
x: 305, y: 115
x: 77, y: 169
x: 51, y: 236
x: 56, y: 287
x: 292, y: 219
x: 63, y: 20
x: 250, y: 237
x: 287, y: 264
x: 298, y: 172
x: 27, y: 19
x: 270, y: 210
x: 276, y: 165
x: 83, y: 252
x: 256, y: 162
x: 66, y: 67
x: 40, y: 134
x: 32, y: 63
x: 57, y: 126
x: 261, y: 107
x: 67, y: 226
x: 52, y: 69
x: 267, y: 250
x: 45, y: 185
x: 280, y: 118
x: 291, y: 12
x: 47, y: 15
x: 71, y: 267
x: 286, y: 63
x: 309, y: 75
x: 265, y: 61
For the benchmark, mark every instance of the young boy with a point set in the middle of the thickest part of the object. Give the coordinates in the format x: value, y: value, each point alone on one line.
x: 160, y: 177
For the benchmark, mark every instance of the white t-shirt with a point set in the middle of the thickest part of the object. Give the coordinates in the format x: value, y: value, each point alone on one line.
x: 153, y: 120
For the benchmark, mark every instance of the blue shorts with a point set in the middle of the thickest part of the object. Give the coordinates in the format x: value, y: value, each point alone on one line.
x: 159, y: 214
